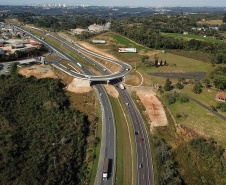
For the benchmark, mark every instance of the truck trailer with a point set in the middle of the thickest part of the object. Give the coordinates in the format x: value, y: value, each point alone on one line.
x: 105, y: 172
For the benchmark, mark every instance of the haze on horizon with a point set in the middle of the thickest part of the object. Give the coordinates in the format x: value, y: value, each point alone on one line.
x: 141, y: 3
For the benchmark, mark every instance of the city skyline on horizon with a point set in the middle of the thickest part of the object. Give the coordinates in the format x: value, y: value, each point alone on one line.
x: 142, y: 3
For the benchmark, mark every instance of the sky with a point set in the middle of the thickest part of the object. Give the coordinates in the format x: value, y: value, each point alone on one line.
x: 143, y: 3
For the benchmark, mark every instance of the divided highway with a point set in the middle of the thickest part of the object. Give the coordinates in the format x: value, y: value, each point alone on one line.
x: 145, y: 174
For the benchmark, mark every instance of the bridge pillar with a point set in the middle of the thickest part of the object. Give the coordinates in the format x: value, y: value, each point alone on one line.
x: 108, y: 82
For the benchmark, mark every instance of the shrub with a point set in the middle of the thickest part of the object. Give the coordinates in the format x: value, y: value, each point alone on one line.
x: 179, y: 85
x: 184, y: 99
x: 197, y: 88
x: 221, y: 106
x: 167, y: 86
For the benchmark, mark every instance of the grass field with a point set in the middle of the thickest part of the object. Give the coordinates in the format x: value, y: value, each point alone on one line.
x: 200, y: 120
x: 123, y: 161
x: 179, y: 36
x: 213, y: 22
x: 124, y: 42
x: 176, y: 64
x: 135, y: 80
x: 206, y: 97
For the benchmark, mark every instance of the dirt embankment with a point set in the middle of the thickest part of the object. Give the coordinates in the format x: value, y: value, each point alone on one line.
x: 154, y: 108
x: 111, y: 90
x: 46, y: 71
x: 79, y: 86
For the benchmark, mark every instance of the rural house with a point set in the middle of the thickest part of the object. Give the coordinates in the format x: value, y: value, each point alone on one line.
x: 221, y: 96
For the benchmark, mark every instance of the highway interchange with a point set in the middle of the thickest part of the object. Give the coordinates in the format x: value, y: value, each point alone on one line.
x: 145, y: 175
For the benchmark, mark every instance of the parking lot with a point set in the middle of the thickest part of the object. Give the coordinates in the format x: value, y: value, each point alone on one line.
x: 5, y: 67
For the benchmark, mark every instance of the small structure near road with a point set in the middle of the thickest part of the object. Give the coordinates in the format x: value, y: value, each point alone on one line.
x: 27, y: 61
x: 221, y: 96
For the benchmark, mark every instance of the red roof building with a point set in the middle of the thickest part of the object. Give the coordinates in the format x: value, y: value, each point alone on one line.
x: 221, y: 96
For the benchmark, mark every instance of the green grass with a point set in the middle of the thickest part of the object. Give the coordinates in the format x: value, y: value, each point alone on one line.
x: 214, y: 22
x: 97, y: 148
x: 120, y: 40
x: 179, y: 36
x: 200, y: 120
x: 176, y: 64
x: 207, y: 96
x: 132, y: 139
x: 123, y: 161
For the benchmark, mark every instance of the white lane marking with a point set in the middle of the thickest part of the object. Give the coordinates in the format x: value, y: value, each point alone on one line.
x: 140, y: 144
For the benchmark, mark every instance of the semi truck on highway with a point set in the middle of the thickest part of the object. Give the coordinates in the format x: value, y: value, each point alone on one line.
x: 105, y: 172
x: 121, y: 86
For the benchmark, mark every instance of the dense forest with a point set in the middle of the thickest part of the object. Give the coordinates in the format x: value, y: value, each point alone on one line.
x: 42, y: 140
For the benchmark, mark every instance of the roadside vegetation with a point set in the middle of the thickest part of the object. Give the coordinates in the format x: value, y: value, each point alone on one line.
x: 181, y: 155
x: 124, y: 166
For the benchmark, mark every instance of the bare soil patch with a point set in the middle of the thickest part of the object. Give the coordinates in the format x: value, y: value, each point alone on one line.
x: 154, y: 108
x: 79, y: 86
x: 111, y: 90
x: 39, y: 71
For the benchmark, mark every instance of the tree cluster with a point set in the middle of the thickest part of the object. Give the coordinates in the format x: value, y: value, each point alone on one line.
x: 42, y: 140
x: 166, y: 166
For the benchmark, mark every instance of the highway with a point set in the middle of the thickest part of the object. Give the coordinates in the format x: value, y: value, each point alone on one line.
x: 145, y: 175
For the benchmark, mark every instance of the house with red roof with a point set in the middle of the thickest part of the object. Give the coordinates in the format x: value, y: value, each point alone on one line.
x: 221, y: 96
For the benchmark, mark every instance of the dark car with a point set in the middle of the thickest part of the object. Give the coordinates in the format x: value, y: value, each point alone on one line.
x: 136, y: 133
x: 140, y: 165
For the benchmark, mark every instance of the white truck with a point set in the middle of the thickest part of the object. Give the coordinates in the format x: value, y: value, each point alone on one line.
x: 121, y: 86
x: 105, y: 172
x: 79, y: 64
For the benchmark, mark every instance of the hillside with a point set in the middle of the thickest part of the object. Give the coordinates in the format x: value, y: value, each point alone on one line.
x: 42, y: 140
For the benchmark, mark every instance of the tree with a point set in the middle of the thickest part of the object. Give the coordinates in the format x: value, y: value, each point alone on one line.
x: 167, y: 86
x: 145, y: 57
x: 184, y: 99
x: 197, y: 88
x: 179, y: 85
x: 224, y: 19
x: 156, y: 63
x: 220, y: 82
